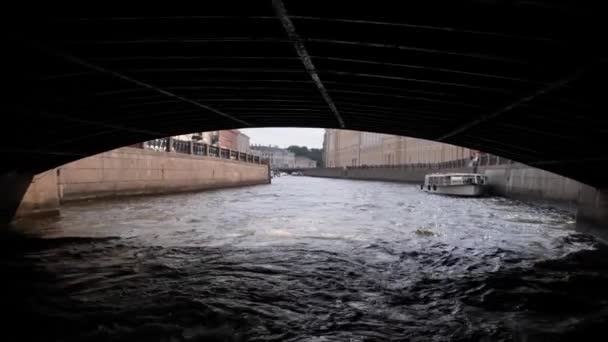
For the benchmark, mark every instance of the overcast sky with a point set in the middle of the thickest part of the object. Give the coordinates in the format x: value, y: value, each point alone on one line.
x: 284, y: 137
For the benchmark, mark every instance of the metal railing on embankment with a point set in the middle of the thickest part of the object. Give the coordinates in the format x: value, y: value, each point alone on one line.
x: 199, y: 149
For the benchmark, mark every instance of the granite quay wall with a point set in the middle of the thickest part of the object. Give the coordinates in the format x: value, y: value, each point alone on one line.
x: 132, y: 171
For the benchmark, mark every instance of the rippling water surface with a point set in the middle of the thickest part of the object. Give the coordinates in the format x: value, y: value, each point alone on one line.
x: 304, y: 259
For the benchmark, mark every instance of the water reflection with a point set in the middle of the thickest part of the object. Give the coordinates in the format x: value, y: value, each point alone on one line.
x: 305, y: 259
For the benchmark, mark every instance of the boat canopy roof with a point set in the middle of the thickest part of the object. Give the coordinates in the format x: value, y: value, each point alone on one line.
x: 455, y: 174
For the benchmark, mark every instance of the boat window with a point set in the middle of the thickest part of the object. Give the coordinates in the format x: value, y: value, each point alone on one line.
x: 457, y: 180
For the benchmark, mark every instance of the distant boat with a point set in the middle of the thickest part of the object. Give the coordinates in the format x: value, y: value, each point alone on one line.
x: 456, y: 184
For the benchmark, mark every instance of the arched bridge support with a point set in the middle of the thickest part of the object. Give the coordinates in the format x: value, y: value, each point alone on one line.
x: 592, y: 213
x: 14, y: 184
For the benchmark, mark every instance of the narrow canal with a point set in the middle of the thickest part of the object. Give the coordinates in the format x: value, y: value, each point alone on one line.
x: 303, y: 259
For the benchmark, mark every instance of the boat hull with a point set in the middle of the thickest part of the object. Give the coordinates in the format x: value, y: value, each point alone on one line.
x: 469, y: 190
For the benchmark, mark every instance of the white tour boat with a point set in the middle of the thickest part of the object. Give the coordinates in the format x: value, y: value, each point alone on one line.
x: 457, y: 184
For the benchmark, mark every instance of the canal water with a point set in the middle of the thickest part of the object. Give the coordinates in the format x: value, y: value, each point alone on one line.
x: 303, y: 259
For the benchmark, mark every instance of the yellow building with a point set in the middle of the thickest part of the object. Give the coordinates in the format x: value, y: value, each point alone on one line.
x: 353, y: 148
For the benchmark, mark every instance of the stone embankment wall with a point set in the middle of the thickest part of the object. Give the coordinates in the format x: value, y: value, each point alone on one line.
x: 512, y: 180
x: 132, y: 171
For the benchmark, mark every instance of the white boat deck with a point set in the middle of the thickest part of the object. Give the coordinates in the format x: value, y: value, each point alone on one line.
x: 456, y: 184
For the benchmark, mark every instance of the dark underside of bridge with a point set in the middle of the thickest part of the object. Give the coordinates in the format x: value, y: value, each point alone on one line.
x: 521, y: 79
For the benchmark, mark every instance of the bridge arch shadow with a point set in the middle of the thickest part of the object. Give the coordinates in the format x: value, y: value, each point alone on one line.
x: 521, y: 88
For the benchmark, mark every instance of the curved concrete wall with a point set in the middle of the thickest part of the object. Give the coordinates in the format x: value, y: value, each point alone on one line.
x: 509, y: 180
x: 131, y: 171
x: 528, y: 183
x: 42, y: 195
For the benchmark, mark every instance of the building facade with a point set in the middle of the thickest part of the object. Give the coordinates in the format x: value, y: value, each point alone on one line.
x: 231, y: 139
x: 304, y: 163
x: 209, y: 138
x: 242, y: 142
x: 351, y: 148
x: 278, y: 158
x: 228, y: 139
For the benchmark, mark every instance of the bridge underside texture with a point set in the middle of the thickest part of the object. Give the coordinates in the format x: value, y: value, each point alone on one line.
x: 520, y: 79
